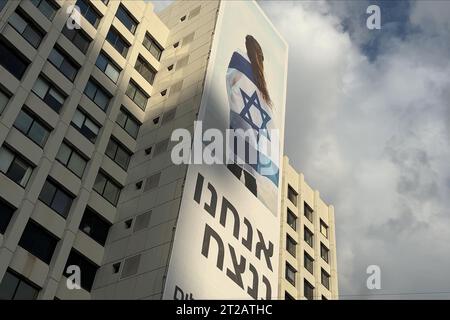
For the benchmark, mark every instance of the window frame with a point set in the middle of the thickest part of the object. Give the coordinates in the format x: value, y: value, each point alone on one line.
x: 151, y: 41
x: 110, y: 63
x: 4, y: 221
x: 66, y: 60
x: 50, y: 3
x: 118, y: 146
x: 117, y: 37
x: 323, y: 248
x: 292, y: 194
x: 18, y: 71
x: 50, y: 87
x: 75, y: 34
x: 125, y: 14
x: 87, y: 8
x: 31, y: 224
x: 7, y: 96
x: 291, y: 214
x: 288, y: 268
x: 86, y: 118
x: 73, y: 150
x: 136, y: 89
x: 145, y: 67
x: 307, y: 257
x: 311, y: 234
x: 21, y: 280
x: 128, y: 117
x: 311, y: 287
x: 325, y: 275
x: 111, y: 181
x: 324, y: 226
x: 35, y: 120
x: 58, y: 189
x: 308, y: 212
x: 291, y: 245
x: 98, y: 87
x: 15, y: 156
x: 29, y: 24
x: 87, y: 217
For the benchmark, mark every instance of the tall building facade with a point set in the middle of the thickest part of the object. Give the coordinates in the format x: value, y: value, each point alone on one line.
x: 308, y: 267
x: 86, y: 115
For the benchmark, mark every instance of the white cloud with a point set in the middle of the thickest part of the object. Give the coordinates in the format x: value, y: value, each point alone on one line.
x: 373, y: 137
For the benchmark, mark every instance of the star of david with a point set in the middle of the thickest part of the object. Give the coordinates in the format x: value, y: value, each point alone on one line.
x: 254, y: 114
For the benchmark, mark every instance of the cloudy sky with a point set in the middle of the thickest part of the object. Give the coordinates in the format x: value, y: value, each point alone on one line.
x: 368, y: 118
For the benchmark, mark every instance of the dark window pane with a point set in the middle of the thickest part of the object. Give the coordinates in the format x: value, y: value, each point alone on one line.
x: 61, y: 203
x: 47, y: 193
x: 12, y: 61
x: 25, y: 292
x: 38, y: 134
x: 88, y: 12
x: 94, y: 226
x: 100, y: 183
x: 111, y: 193
x: 126, y: 19
x: 23, y: 122
x: 6, y: 213
x: 8, y: 286
x: 36, y: 240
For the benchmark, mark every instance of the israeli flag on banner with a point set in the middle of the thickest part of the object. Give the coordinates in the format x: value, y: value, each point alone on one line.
x: 249, y: 111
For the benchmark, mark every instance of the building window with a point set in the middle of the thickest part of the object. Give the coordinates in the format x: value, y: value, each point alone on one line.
x: 325, y: 279
x: 291, y: 245
x: 324, y: 298
x: 88, y: 269
x: 56, y: 198
x: 15, y: 167
x: 16, y: 287
x: 26, y: 28
x: 292, y: 195
x: 78, y: 38
x: 145, y: 69
x: 85, y: 125
x: 63, y: 63
x: 308, y: 261
x: 309, y: 237
x: 12, y: 60
x: 71, y: 159
x: 127, y: 20
x: 107, y: 188
x: 48, y: 92
x: 88, y: 12
x: 128, y: 122
x: 105, y: 2
x: 117, y: 153
x: 290, y: 274
x: 308, y: 290
x: 4, y: 99
x: 116, y: 40
x: 308, y: 212
x: 38, y: 241
x: 97, y: 94
x: 137, y: 95
x: 324, y: 252
x: 33, y: 128
x: 6, y: 213
x: 287, y: 296
x: 152, y: 46
x: 291, y: 219
x: 46, y: 7
x: 108, y: 67
x: 95, y: 226
x: 323, y: 228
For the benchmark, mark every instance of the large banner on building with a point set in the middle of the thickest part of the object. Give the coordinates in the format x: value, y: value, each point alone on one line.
x: 226, y: 243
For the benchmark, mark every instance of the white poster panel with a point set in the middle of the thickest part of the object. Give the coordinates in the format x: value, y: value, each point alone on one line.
x: 226, y: 243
